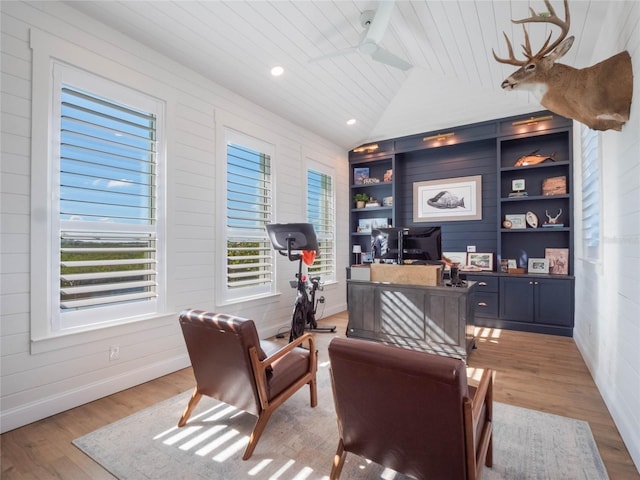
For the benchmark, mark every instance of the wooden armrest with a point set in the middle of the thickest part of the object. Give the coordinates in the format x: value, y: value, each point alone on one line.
x: 483, y: 391
x: 288, y: 347
x: 260, y: 366
x: 479, y: 435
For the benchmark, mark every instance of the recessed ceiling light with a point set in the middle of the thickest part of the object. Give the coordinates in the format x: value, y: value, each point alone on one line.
x: 277, y: 71
x: 351, y: 121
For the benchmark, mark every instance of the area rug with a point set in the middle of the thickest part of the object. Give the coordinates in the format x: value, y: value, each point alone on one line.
x: 299, y: 443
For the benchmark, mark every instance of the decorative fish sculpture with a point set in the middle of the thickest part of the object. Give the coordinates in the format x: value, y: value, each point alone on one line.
x: 446, y: 199
x: 534, y: 158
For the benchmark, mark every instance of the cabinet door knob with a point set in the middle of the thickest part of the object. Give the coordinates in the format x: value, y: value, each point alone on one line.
x: 482, y: 284
x: 482, y: 304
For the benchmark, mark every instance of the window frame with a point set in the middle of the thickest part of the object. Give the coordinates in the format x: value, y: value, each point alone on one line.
x: 227, y: 295
x: 50, y: 72
x: 593, y: 162
x: 318, y: 169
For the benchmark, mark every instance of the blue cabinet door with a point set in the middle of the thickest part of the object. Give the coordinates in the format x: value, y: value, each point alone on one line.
x: 554, y: 301
x: 547, y: 301
x: 516, y: 299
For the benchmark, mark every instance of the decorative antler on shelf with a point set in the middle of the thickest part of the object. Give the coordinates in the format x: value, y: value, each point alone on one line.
x: 553, y: 220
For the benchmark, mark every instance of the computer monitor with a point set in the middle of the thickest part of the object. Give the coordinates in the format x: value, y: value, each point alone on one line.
x: 384, y: 243
x: 423, y: 244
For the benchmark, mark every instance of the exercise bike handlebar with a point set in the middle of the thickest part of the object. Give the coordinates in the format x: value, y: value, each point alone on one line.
x: 292, y: 256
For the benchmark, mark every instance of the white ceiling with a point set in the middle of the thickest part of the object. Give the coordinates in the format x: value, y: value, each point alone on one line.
x: 454, y: 80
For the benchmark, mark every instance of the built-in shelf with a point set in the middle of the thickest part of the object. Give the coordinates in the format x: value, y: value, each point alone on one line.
x: 536, y: 167
x: 532, y: 198
x: 369, y: 185
x: 491, y: 148
x: 370, y: 209
x: 538, y: 230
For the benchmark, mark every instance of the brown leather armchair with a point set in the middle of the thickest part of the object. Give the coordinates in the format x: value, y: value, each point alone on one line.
x: 233, y: 365
x: 410, y: 411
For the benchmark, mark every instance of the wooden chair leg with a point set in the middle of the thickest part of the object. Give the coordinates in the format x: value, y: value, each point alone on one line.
x: 488, y: 461
x: 338, y: 462
x: 263, y: 419
x: 313, y: 390
x: 193, y: 401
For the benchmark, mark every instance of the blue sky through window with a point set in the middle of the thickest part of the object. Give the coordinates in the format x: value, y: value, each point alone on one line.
x: 248, y: 188
x: 107, y: 160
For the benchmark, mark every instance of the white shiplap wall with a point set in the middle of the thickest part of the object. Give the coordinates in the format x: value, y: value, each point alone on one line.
x: 607, y: 328
x: 75, y: 370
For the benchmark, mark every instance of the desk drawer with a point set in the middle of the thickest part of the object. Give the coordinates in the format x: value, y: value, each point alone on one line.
x: 486, y: 304
x: 486, y: 283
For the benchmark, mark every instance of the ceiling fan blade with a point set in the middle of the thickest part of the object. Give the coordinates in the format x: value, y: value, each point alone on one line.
x: 336, y: 53
x: 375, y: 24
x: 384, y: 56
x: 380, y: 22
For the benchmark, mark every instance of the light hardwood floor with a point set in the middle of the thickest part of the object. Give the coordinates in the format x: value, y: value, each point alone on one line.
x: 541, y: 372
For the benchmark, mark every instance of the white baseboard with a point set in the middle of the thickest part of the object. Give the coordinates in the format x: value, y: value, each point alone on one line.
x: 45, y: 407
x: 333, y: 310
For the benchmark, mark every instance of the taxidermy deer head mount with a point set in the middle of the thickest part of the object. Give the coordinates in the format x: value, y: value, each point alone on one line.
x: 598, y: 96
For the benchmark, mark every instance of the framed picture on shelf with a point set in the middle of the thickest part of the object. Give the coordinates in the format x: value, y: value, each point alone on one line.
x: 518, y: 221
x: 364, y: 225
x: 360, y: 174
x: 512, y: 266
x: 379, y: 223
x: 517, y: 185
x: 504, y: 265
x: 538, y: 265
x: 456, y: 257
x: 483, y: 261
x: 558, y: 260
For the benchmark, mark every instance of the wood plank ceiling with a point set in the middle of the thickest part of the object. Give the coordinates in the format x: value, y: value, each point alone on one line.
x: 235, y: 44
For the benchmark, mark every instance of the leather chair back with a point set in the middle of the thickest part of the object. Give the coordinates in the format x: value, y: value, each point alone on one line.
x: 230, y: 365
x: 218, y: 345
x: 400, y: 408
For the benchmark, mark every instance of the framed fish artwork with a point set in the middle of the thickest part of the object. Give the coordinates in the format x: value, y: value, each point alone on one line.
x: 449, y: 199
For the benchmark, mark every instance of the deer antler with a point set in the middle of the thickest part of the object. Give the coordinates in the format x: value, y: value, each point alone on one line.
x: 512, y: 60
x: 552, y: 18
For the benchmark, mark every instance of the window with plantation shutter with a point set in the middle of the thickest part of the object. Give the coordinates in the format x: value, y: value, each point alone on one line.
x: 248, y: 210
x: 105, y: 222
x: 590, y: 193
x: 321, y: 214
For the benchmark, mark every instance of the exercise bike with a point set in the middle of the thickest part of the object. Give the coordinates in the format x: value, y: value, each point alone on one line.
x: 300, y: 238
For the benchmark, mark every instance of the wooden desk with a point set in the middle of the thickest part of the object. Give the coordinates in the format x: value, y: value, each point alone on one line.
x: 432, y: 319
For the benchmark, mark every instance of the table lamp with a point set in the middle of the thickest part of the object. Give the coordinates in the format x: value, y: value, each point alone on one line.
x: 357, y: 249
